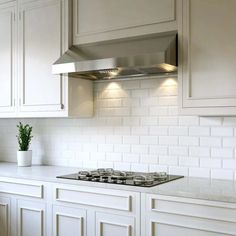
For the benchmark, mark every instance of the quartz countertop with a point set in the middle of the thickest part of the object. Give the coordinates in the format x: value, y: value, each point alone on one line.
x: 198, y: 188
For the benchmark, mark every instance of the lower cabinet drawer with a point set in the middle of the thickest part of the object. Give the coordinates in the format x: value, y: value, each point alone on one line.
x: 192, y: 216
x: 105, y: 198
x: 21, y: 187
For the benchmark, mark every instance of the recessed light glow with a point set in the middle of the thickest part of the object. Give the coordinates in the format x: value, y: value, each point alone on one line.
x: 170, y: 82
x: 168, y: 67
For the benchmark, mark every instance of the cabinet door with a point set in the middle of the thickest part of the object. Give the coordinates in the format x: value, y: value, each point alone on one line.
x: 110, y: 19
x: 41, y: 42
x: 207, y: 78
x: 31, y: 218
x: 115, y: 225
x: 68, y: 221
x: 7, y: 59
x: 4, y: 216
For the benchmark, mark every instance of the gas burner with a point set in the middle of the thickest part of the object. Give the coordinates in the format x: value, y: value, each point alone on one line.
x: 111, y: 176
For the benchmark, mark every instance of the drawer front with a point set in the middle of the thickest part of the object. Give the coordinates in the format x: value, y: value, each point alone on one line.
x: 207, y: 217
x: 112, y: 199
x: 193, y: 207
x: 21, y: 187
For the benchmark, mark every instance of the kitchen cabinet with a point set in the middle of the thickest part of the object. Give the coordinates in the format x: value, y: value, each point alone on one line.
x: 28, y: 88
x: 41, y: 43
x: 116, y: 225
x: 95, y: 211
x: 170, y: 216
x: 5, y: 220
x: 30, y: 207
x: 8, y: 38
x: 31, y: 218
x: 110, y: 19
x: 207, y: 50
x: 69, y: 221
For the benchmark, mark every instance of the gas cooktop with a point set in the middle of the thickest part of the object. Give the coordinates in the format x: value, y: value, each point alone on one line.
x: 111, y: 176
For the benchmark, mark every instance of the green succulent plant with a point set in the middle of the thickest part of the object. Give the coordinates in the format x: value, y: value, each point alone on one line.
x: 24, y: 136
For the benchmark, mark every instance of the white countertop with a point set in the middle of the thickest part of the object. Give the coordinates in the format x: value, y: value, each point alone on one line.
x: 199, y: 188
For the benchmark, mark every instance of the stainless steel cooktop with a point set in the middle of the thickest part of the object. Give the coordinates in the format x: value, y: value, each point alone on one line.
x: 112, y: 176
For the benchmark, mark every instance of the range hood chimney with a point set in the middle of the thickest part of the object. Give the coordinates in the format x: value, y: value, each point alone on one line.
x: 143, y: 56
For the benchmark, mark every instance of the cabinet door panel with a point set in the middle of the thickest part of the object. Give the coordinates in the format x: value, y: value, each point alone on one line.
x: 171, y: 230
x: 115, y: 225
x: 40, y: 46
x: 207, y: 76
x: 109, y: 19
x: 7, y: 57
x: 68, y: 221
x: 4, y: 216
x: 31, y: 218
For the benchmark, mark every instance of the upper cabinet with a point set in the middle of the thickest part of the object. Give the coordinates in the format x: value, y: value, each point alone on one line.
x: 8, y: 59
x: 207, y: 50
x: 27, y: 86
x: 111, y: 19
x: 40, y: 44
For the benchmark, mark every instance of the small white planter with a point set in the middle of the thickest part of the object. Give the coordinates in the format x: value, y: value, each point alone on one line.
x: 24, y: 158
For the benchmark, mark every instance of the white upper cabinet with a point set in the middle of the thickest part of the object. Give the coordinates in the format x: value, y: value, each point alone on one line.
x: 40, y: 45
x: 7, y: 59
x: 34, y: 34
x: 111, y: 19
x: 207, y: 35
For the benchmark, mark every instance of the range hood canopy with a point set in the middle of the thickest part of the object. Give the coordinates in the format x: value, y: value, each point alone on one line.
x: 120, y: 59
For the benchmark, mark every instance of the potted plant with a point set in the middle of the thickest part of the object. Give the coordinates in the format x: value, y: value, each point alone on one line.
x: 24, y: 155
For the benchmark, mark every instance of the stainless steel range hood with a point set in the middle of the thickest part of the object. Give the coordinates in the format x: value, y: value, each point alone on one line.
x: 120, y: 59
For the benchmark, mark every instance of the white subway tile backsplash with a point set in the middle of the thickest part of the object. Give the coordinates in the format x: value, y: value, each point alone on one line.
x: 229, y: 164
x: 222, y: 131
x: 178, y: 131
x: 188, y: 120
x: 178, y: 151
x: 158, y: 168
x: 189, y: 161
x: 229, y: 142
x: 131, y: 139
x: 141, y: 149
x: 148, y: 140
x: 199, y: 151
x: 210, y: 141
x: 168, y: 160
x: 222, y: 174
x: 188, y: 141
x: 210, y: 121
x: 199, y: 131
x: 199, y: 172
x: 158, y: 150
x: 168, y: 140
x: 222, y: 152
x: 160, y: 131
x: 168, y: 120
x: 136, y: 127
x: 211, y: 163
x: 178, y: 170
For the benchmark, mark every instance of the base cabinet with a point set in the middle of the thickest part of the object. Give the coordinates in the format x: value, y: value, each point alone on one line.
x: 115, y: 225
x: 5, y: 222
x: 69, y: 221
x: 47, y: 209
x: 171, y: 216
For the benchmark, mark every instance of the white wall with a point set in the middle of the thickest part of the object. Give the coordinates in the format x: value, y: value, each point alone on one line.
x: 136, y: 127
